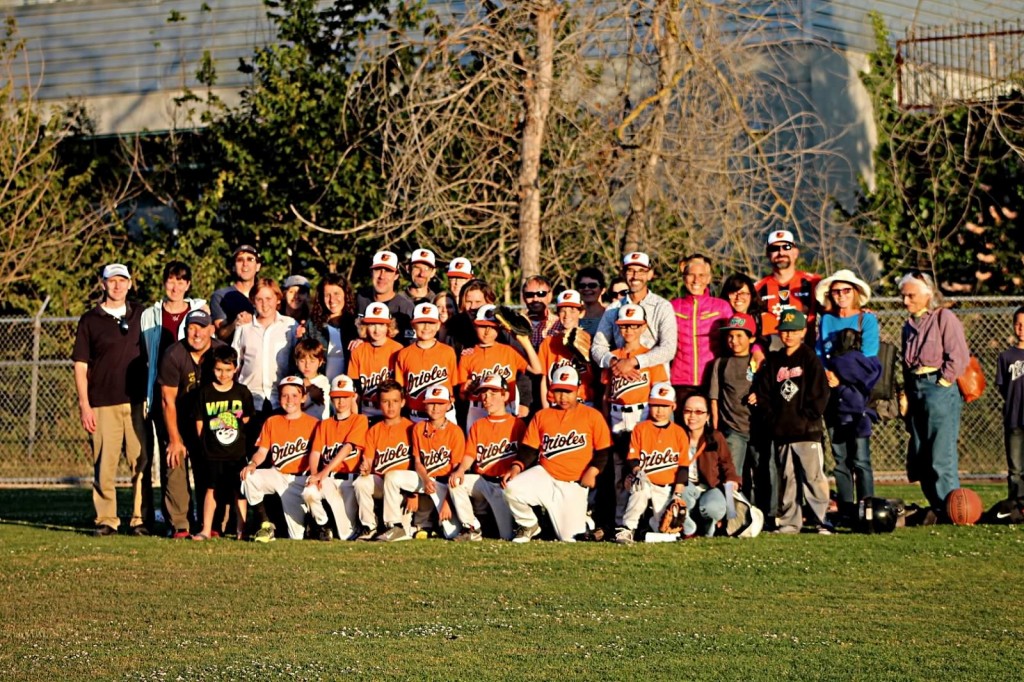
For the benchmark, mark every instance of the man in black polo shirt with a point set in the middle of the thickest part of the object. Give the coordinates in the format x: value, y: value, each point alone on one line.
x: 110, y: 379
x: 185, y: 365
x: 383, y: 277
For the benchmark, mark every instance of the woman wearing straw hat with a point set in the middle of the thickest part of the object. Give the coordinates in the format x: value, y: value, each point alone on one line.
x: 847, y: 344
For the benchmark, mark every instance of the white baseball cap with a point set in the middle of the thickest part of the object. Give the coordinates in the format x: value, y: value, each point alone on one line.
x: 777, y: 236
x: 425, y: 256
x: 460, y: 268
x: 437, y: 395
x: 630, y: 314
x: 385, y: 259
x: 637, y: 258
x: 570, y: 298
x: 377, y: 313
x: 343, y: 386
x: 662, y: 393
x: 492, y: 380
x: 116, y: 270
x: 565, y: 377
x: 485, y: 316
x: 426, y: 312
x: 291, y: 381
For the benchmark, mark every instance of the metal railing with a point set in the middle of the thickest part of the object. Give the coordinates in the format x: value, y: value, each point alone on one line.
x: 42, y: 440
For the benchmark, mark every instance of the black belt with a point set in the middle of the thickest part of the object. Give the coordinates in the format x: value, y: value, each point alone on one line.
x: 491, y: 479
x: 442, y: 479
x: 630, y: 408
x: 346, y: 477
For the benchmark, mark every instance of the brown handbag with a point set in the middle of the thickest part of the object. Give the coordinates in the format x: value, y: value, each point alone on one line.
x: 972, y: 381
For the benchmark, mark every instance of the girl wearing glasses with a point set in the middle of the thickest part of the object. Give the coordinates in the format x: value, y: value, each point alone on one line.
x: 848, y: 346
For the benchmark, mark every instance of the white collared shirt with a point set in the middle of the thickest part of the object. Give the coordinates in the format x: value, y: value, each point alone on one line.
x: 264, y: 356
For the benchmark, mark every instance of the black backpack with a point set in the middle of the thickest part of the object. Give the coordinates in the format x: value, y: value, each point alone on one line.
x: 883, y: 398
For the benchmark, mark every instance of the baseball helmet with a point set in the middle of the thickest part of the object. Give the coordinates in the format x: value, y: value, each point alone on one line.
x: 876, y: 515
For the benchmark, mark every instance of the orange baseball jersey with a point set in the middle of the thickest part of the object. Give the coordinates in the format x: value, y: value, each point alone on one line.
x: 659, y: 450
x: 567, y: 439
x: 437, y: 447
x: 629, y: 391
x: 390, y: 447
x: 493, y: 442
x: 332, y: 434
x: 500, y: 358
x: 554, y: 353
x: 371, y: 366
x: 418, y: 369
x: 797, y: 293
x: 287, y: 442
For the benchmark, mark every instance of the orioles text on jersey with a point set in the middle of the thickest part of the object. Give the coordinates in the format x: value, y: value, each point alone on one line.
x: 283, y: 453
x: 561, y: 443
x: 418, y: 382
x: 490, y: 453
x: 395, y: 457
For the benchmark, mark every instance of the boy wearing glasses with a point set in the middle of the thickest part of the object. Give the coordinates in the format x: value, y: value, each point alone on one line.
x: 786, y: 288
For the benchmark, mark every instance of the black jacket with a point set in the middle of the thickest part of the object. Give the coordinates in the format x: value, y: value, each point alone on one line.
x: 792, y: 394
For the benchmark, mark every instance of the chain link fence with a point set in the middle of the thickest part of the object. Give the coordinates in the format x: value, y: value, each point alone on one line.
x: 42, y: 440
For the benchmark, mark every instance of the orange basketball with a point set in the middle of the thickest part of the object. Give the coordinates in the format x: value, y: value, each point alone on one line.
x: 963, y: 507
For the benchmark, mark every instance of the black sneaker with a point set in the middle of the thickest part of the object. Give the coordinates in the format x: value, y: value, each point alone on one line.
x: 140, y: 531
x: 324, y: 534
x: 104, y: 530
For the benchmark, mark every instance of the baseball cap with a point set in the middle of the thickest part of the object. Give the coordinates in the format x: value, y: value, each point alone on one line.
x: 742, y: 322
x: 637, y: 258
x: 291, y: 381
x: 492, y: 380
x: 198, y: 316
x: 116, y: 270
x: 386, y: 260
x: 342, y: 386
x: 778, y: 236
x: 426, y: 312
x: 565, y: 377
x: 377, y: 313
x: 296, y: 281
x: 792, y: 320
x: 425, y: 256
x: 485, y: 316
x: 570, y: 298
x: 246, y: 248
x: 662, y: 393
x: 460, y: 268
x: 437, y: 395
x: 630, y: 314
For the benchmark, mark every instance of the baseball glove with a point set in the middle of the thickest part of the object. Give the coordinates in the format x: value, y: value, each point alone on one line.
x: 672, y: 520
x: 515, y: 323
x: 578, y: 341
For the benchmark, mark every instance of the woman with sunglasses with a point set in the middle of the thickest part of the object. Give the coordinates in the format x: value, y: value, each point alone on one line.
x: 590, y: 283
x: 935, y: 354
x: 847, y: 345
x: 706, y: 469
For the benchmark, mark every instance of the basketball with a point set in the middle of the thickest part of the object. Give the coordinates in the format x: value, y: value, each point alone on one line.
x: 963, y: 507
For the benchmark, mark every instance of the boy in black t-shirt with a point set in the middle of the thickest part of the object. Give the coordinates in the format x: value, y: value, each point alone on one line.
x: 223, y: 407
x: 1010, y: 380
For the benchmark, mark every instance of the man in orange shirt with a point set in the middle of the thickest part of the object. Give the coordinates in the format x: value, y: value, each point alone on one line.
x: 388, y: 448
x: 490, y: 450
x: 286, y: 438
x: 334, y: 462
x: 425, y: 364
x: 373, y: 361
x: 785, y: 288
x: 434, y: 444
x: 572, y: 442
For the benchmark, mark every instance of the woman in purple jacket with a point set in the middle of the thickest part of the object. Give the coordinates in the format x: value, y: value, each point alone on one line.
x: 934, y: 355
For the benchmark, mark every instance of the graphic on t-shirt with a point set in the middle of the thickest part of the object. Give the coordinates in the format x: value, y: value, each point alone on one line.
x: 225, y: 427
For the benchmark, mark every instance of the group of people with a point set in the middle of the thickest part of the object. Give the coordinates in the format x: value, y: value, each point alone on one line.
x: 387, y: 411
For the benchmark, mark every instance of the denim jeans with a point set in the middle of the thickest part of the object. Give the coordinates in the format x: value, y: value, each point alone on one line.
x: 1014, y: 463
x: 759, y: 471
x: 705, y: 509
x: 853, y: 465
x: 934, y: 421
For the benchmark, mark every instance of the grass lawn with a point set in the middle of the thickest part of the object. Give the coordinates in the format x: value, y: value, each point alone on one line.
x: 921, y: 603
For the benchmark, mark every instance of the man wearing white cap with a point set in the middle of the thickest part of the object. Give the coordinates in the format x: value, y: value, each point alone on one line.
x: 786, y: 287
x: 110, y: 379
x: 571, y: 442
x: 422, y: 268
x: 460, y: 271
x: 384, y: 276
x: 661, y: 333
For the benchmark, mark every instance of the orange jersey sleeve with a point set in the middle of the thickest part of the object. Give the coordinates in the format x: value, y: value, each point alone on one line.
x: 567, y: 439
x: 554, y: 353
x: 437, y: 448
x: 332, y: 434
x: 390, y: 447
x: 371, y: 366
x: 494, y: 442
x: 659, y: 450
x: 288, y: 442
x: 418, y: 369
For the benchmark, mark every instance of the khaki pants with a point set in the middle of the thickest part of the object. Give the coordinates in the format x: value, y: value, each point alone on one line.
x: 119, y: 428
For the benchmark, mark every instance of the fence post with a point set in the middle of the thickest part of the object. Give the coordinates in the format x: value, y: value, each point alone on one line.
x: 33, y: 400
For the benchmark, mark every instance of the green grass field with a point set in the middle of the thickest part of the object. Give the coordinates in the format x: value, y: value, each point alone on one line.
x: 921, y: 603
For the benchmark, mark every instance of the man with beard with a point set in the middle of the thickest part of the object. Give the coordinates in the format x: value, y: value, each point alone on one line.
x: 537, y: 295
x: 786, y: 288
x: 422, y: 269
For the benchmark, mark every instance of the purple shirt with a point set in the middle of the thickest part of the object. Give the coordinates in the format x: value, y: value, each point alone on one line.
x: 936, y: 339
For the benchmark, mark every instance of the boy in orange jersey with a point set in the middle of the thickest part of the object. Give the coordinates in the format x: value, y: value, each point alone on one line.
x: 388, y: 448
x: 334, y: 462
x: 655, y: 448
x: 286, y: 438
x: 572, y: 443
x: 490, y: 450
x: 554, y: 353
x: 373, y: 361
x: 435, y: 443
x: 489, y: 356
x: 425, y: 364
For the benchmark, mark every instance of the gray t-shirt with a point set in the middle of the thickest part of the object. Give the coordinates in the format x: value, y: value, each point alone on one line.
x: 731, y: 378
